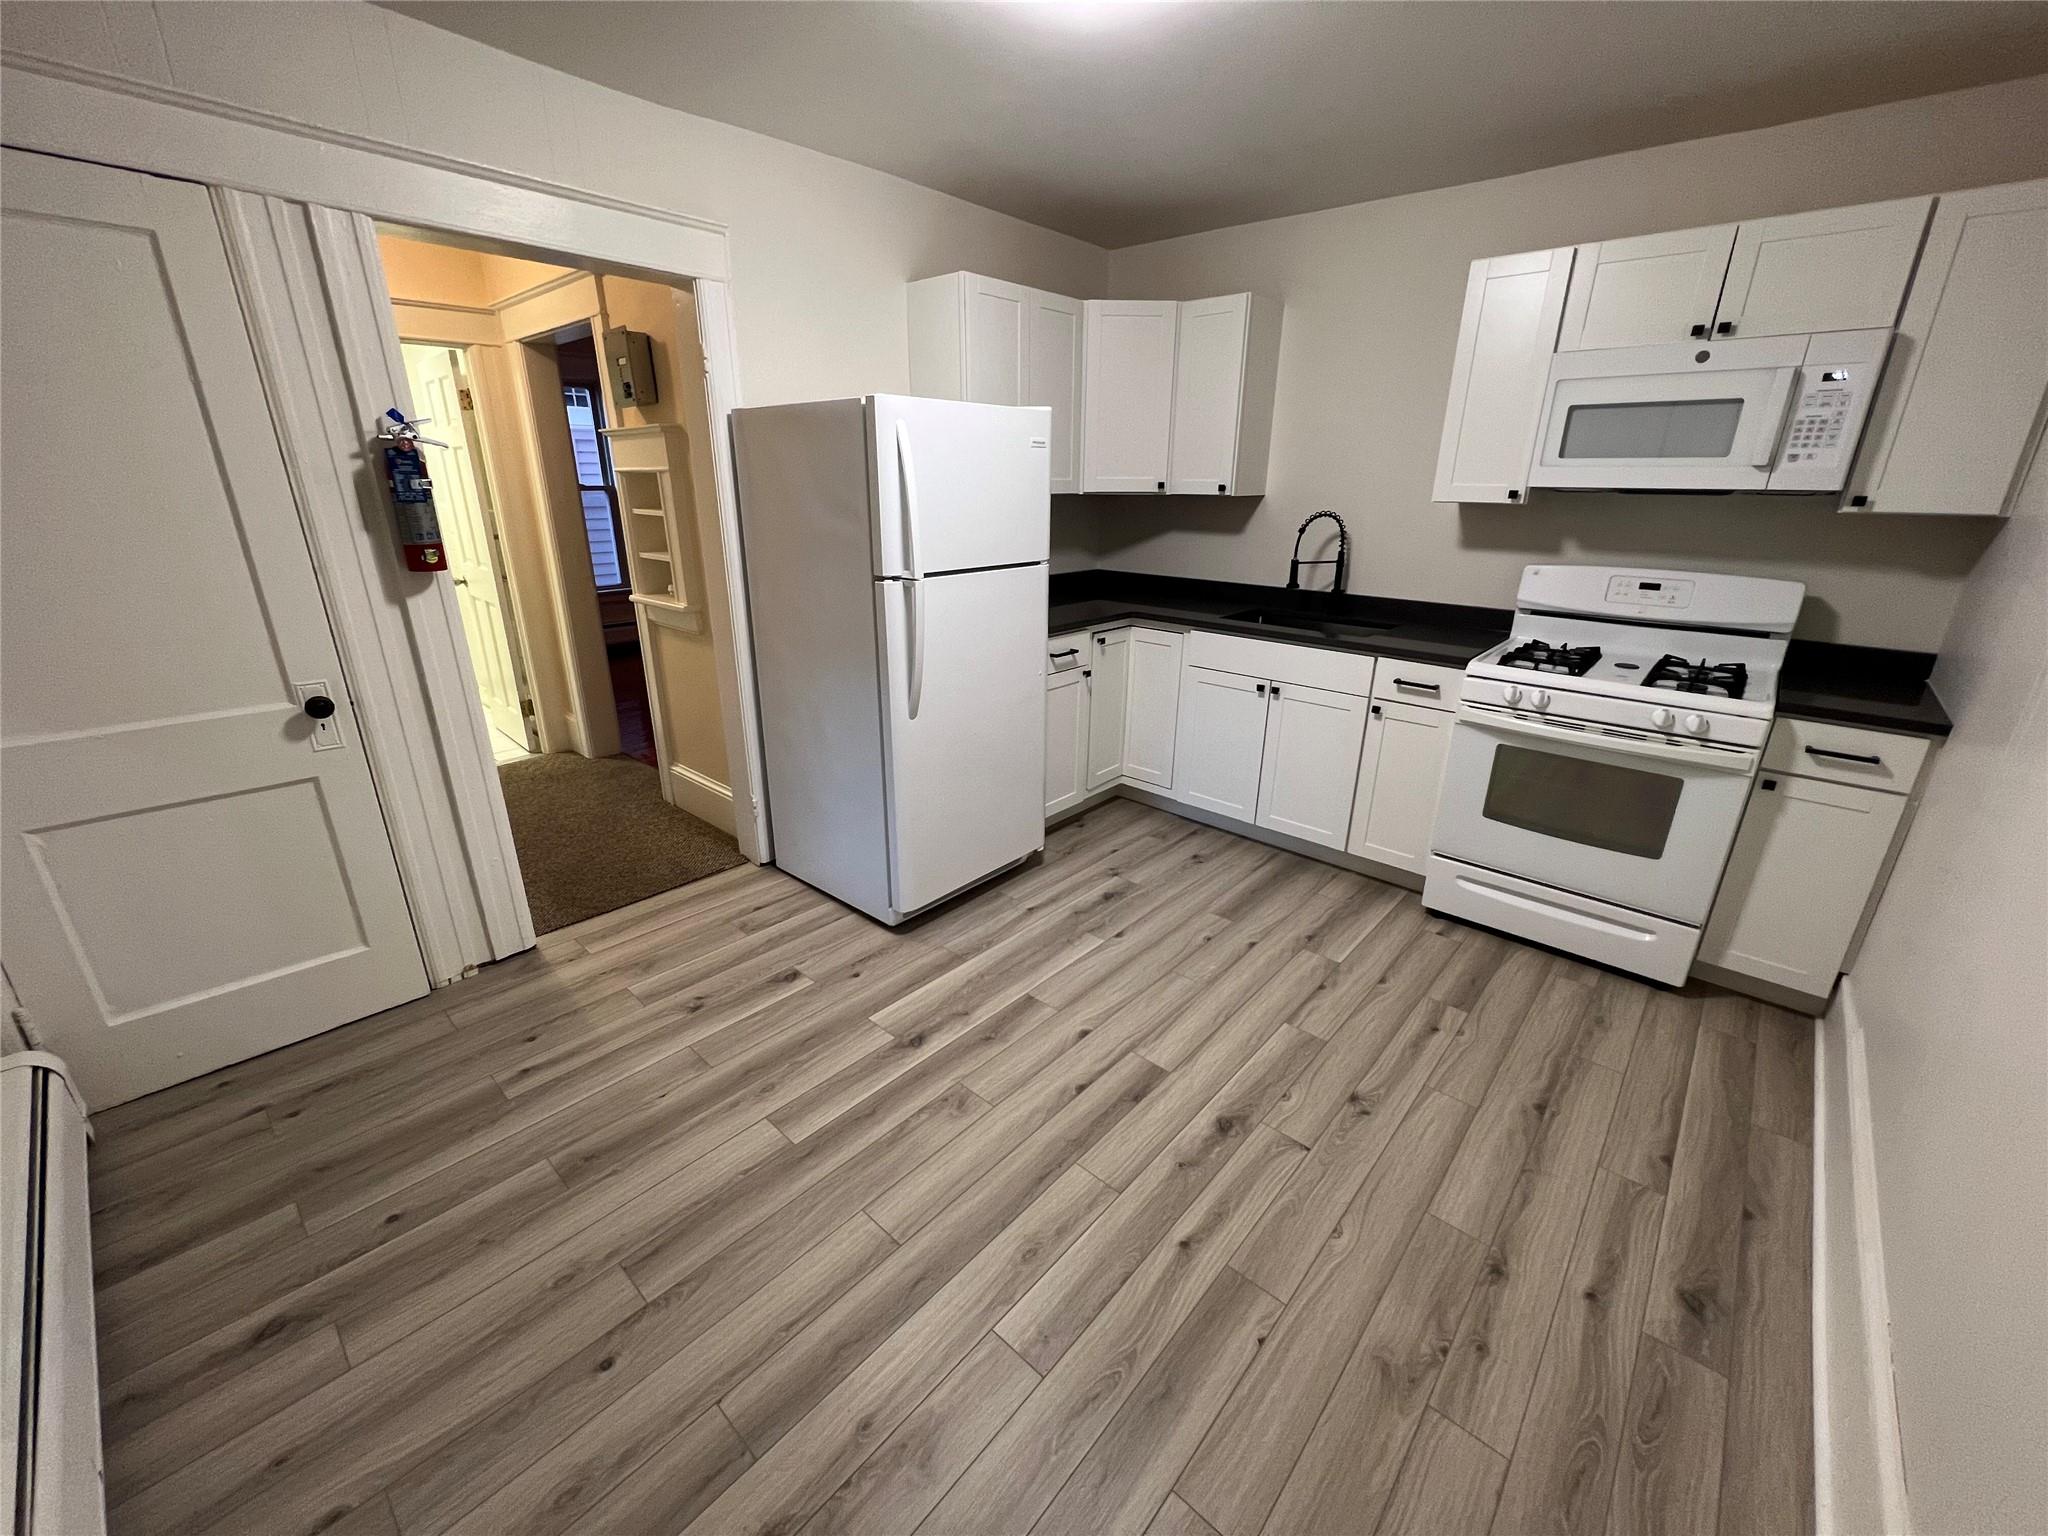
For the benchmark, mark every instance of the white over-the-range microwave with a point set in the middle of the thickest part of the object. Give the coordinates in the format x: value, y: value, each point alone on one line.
x: 1774, y: 413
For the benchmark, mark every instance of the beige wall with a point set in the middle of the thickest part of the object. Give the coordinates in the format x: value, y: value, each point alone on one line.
x: 821, y: 248
x: 1373, y: 293
x: 1951, y: 993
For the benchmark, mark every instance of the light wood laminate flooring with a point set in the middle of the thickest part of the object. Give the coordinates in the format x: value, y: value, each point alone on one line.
x: 1174, y: 1185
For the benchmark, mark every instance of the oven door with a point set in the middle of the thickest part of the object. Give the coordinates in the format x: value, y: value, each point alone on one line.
x: 1639, y: 821
x: 1669, y: 418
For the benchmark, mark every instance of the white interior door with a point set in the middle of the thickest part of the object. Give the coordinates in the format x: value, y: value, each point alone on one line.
x: 462, y: 498
x: 192, y: 871
x: 964, y: 685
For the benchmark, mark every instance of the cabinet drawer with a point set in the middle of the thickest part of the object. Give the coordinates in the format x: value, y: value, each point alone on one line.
x: 1846, y: 754
x: 1075, y: 641
x: 1416, y: 682
x: 1338, y: 671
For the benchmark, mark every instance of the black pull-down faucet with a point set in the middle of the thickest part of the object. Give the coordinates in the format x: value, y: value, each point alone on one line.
x: 1343, y: 551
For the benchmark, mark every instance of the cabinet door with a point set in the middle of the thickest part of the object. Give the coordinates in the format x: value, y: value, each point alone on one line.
x: 1221, y: 739
x: 1512, y: 308
x: 1803, y: 868
x: 1842, y: 269
x: 1654, y: 288
x: 1066, y: 739
x: 1398, y: 779
x: 997, y: 317
x: 1127, y: 438
x: 1959, y: 413
x: 1109, y: 691
x: 1208, y: 389
x: 1052, y: 377
x: 1154, y: 707
x: 1309, y: 772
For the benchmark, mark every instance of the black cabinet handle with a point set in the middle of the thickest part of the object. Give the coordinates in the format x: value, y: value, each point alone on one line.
x: 1087, y: 671
x: 1859, y: 501
x: 1069, y: 651
x: 317, y: 705
x: 1276, y: 690
x: 1514, y: 495
x: 1402, y: 682
x: 1102, y: 639
x: 1847, y: 757
x: 1221, y: 489
x: 1699, y: 330
x: 1162, y: 485
x: 1725, y: 328
x: 1261, y: 687
x: 1375, y: 711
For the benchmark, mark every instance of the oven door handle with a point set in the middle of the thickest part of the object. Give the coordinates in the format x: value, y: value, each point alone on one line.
x: 1722, y: 759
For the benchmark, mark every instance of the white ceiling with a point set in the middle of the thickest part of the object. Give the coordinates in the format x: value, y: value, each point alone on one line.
x: 1123, y: 122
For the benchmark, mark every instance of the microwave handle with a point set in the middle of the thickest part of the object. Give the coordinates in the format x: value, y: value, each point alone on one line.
x: 1777, y: 406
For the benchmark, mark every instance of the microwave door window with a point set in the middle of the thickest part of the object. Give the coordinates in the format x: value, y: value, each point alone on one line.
x: 1598, y: 805
x: 1648, y: 430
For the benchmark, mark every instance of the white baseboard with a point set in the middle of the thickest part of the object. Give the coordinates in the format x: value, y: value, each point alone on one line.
x: 702, y: 796
x: 1859, y: 1462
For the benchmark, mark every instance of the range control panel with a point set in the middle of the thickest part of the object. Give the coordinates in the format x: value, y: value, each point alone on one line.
x: 1815, y: 436
x: 1650, y: 592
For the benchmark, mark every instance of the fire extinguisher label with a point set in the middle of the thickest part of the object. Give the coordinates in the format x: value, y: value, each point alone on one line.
x: 412, y: 498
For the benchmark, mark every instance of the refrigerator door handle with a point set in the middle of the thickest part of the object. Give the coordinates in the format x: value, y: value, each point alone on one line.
x: 906, y: 471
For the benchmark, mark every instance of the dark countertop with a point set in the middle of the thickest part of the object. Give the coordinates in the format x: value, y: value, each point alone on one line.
x: 1852, y: 685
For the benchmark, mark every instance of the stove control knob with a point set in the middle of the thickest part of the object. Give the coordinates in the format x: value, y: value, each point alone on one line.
x: 1697, y: 724
x: 1539, y: 699
x: 1511, y: 693
x: 1663, y: 719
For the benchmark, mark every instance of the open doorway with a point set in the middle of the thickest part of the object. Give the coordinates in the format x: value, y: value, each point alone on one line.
x: 572, y: 506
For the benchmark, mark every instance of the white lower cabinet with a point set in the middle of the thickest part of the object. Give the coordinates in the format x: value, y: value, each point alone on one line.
x: 1803, y: 869
x: 1109, y: 691
x: 1398, y: 780
x: 1066, y: 739
x: 1221, y: 740
x: 1308, y: 770
x: 1154, y: 709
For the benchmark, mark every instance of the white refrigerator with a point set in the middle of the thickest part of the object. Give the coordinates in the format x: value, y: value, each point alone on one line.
x: 896, y: 566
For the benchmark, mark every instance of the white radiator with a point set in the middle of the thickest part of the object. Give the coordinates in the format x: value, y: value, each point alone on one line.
x: 51, y: 1409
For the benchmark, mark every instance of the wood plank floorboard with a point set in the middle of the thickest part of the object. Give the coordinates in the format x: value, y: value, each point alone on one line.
x: 1173, y: 1185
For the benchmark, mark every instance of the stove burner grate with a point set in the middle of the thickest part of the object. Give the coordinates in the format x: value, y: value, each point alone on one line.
x: 1725, y: 680
x: 1541, y: 656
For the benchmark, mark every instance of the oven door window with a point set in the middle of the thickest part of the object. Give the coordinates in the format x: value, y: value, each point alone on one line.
x: 1648, y: 430
x: 1599, y: 805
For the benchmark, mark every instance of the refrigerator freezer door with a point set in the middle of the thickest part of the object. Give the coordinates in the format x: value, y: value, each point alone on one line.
x: 978, y: 489
x: 966, y: 777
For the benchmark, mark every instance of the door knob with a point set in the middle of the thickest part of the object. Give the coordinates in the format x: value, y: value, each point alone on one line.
x: 462, y: 581
x: 317, y: 705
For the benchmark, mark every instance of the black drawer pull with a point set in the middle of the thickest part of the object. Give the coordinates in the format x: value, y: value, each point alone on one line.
x: 1402, y: 682
x: 1847, y: 757
x: 1069, y: 651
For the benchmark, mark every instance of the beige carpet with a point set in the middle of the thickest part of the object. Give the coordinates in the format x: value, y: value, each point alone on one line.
x: 594, y: 835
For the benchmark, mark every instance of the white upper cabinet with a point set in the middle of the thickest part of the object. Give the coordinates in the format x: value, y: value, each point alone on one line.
x: 1127, y: 439
x: 1226, y: 366
x: 1505, y: 340
x: 1052, y: 377
x: 1959, y: 414
x: 1842, y: 269
x: 981, y: 339
x: 1650, y: 289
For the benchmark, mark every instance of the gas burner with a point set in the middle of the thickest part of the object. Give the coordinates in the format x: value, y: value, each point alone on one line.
x: 1724, y: 679
x: 1541, y: 656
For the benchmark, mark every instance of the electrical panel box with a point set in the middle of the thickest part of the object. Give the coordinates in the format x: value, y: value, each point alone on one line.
x: 631, y: 361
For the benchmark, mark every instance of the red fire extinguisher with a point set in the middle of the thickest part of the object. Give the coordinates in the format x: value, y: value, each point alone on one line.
x: 412, y: 493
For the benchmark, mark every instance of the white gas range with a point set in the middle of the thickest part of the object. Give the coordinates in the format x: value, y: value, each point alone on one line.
x: 1602, y: 756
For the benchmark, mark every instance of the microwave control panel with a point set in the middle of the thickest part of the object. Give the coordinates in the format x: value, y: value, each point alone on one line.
x: 1821, y: 418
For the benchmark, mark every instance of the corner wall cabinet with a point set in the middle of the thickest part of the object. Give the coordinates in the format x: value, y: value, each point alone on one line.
x: 1966, y: 308
x: 1958, y: 418
x: 1148, y: 396
x: 981, y: 339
